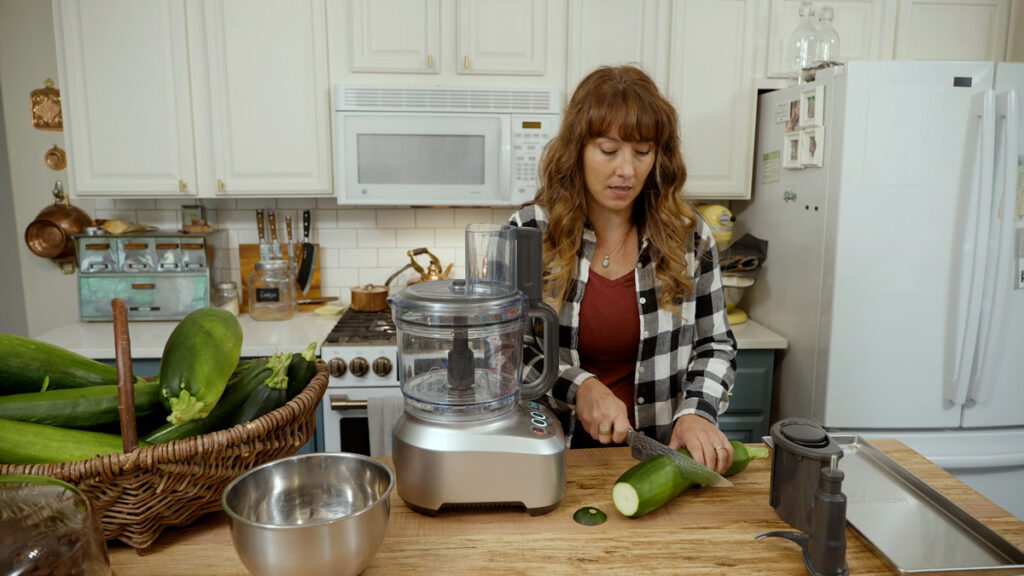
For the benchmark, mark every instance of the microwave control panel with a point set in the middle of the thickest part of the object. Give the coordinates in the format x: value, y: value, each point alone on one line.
x: 530, y: 133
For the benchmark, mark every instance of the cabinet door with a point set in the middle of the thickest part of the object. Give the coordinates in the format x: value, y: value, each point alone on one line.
x: 395, y: 36
x: 711, y: 83
x: 952, y: 29
x: 639, y: 29
x: 269, y: 93
x: 860, y: 24
x: 125, y: 96
x: 501, y: 37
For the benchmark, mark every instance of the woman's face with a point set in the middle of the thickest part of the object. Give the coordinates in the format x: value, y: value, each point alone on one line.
x: 614, y: 171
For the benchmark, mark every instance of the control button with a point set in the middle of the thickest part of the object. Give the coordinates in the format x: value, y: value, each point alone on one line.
x: 538, y: 431
x: 640, y: 400
x: 382, y: 366
x: 538, y: 415
x: 359, y: 366
x: 533, y: 405
x: 540, y: 423
x: 336, y: 367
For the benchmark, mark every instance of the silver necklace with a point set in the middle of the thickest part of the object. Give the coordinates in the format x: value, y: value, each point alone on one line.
x: 605, y: 261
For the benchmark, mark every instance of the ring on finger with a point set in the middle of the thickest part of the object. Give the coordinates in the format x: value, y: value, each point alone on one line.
x: 604, y: 432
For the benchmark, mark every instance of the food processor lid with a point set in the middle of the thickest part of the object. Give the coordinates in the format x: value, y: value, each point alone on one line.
x: 449, y: 303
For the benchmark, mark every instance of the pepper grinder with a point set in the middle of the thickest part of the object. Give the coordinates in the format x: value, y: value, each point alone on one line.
x: 824, y: 548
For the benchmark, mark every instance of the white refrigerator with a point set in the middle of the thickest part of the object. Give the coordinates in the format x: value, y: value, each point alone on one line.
x: 890, y: 194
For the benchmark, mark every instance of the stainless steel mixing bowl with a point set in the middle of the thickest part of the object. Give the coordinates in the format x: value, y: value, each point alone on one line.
x: 314, y: 514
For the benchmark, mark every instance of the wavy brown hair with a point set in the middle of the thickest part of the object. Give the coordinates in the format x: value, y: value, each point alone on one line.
x: 626, y: 97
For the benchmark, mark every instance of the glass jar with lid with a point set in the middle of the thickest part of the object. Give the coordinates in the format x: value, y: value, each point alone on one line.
x: 271, y: 291
x: 225, y: 295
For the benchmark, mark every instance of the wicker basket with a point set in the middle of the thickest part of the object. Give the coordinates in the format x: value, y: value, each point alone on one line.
x: 138, y: 494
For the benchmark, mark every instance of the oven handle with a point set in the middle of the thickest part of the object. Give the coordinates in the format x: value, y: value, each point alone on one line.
x: 341, y: 402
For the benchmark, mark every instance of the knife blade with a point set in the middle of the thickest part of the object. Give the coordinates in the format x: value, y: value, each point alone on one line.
x: 261, y: 230
x: 321, y: 300
x: 275, y: 248
x: 642, y: 448
x: 305, y: 275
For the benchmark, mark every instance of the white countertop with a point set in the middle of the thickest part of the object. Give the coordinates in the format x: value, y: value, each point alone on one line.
x: 96, y: 339
x: 751, y: 336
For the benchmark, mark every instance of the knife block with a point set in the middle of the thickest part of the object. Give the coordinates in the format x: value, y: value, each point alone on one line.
x: 249, y: 255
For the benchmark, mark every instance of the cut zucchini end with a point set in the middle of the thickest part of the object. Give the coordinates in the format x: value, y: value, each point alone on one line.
x: 589, y: 516
x: 625, y: 498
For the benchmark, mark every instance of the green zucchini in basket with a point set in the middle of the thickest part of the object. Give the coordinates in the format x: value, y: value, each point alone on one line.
x: 29, y: 365
x: 31, y: 443
x: 657, y: 480
x: 81, y: 408
x: 198, y: 358
x: 270, y: 395
x: 301, y: 370
x: 247, y: 378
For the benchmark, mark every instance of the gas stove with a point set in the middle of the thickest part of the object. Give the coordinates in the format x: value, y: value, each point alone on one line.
x: 361, y: 350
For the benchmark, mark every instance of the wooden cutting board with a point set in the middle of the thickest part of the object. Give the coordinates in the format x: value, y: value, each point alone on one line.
x: 249, y: 255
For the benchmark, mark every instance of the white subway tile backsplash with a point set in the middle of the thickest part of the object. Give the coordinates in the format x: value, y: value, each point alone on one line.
x: 297, y: 203
x: 326, y: 203
x: 103, y: 204
x: 254, y: 203
x: 237, y: 219
x: 434, y: 218
x: 218, y: 203
x: 134, y: 203
x: 450, y: 238
x: 400, y: 218
x: 376, y: 238
x: 329, y: 257
x: 501, y: 215
x: 415, y: 237
x: 116, y: 214
x: 336, y: 238
x: 322, y: 219
x: 358, y: 257
x: 464, y: 216
x: 173, y: 203
x: 357, y: 218
x: 398, y: 257
x: 248, y: 236
x: 374, y: 275
x: 163, y: 219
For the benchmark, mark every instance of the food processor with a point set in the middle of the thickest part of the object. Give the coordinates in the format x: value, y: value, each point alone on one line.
x: 472, y: 433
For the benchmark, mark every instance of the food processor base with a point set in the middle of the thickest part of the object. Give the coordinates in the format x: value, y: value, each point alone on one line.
x: 512, y: 459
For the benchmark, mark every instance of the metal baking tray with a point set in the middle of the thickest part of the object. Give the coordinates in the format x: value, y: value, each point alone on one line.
x: 913, y: 527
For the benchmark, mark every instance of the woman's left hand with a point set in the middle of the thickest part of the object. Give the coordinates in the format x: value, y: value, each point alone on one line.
x: 706, y: 443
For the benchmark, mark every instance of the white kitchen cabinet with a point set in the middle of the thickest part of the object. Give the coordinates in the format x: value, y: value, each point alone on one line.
x: 615, y: 32
x: 449, y: 37
x: 711, y: 84
x: 125, y: 97
x: 199, y: 98
x: 395, y: 36
x: 269, y: 97
x: 952, y: 29
x: 865, y: 29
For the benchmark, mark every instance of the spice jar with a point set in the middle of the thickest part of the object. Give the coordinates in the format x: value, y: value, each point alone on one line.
x: 271, y: 291
x: 225, y: 295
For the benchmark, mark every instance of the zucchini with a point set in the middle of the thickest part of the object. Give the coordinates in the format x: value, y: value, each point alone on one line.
x: 28, y: 365
x: 656, y: 481
x: 270, y: 395
x: 247, y: 377
x: 197, y: 361
x: 31, y: 443
x: 301, y: 370
x: 80, y: 407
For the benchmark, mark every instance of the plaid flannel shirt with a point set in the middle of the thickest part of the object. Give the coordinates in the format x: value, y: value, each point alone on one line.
x: 685, y: 360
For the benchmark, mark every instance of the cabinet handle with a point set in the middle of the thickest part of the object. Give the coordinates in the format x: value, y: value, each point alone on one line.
x: 430, y: 62
x: 465, y: 62
x: 181, y: 185
x: 220, y: 185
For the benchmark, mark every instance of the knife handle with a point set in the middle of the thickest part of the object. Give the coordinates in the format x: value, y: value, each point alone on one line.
x: 272, y: 221
x: 288, y: 227
x: 259, y: 225
x: 305, y: 225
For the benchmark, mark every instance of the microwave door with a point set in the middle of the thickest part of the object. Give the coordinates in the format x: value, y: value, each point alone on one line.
x: 417, y: 159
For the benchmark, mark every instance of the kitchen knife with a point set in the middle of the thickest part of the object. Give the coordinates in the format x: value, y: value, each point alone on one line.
x: 642, y: 448
x: 305, y: 276
x: 321, y: 300
x: 275, y: 248
x: 288, y: 231
x: 260, y: 228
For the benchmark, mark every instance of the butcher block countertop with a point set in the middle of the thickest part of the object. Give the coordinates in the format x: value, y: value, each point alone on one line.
x: 704, y: 531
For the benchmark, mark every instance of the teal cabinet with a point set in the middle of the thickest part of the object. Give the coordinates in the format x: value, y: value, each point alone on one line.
x: 749, y: 412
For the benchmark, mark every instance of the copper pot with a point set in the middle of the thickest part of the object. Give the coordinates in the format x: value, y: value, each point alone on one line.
x: 369, y: 298
x: 50, y: 235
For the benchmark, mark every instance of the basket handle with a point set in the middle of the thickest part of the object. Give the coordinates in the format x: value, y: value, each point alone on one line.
x: 125, y: 380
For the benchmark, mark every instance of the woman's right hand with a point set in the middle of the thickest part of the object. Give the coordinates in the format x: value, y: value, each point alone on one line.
x: 602, y: 414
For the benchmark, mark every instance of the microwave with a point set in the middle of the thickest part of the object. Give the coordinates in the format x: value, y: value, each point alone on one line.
x: 435, y: 146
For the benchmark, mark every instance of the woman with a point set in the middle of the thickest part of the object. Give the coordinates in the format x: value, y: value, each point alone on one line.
x: 633, y: 273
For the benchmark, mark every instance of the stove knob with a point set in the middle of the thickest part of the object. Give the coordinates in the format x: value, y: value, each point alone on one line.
x: 382, y: 366
x: 359, y: 366
x: 336, y: 366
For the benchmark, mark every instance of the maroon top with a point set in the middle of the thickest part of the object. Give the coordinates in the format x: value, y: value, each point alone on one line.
x: 608, y: 339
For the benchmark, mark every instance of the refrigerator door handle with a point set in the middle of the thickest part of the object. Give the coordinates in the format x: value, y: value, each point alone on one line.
x: 977, y: 216
x: 1001, y: 239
